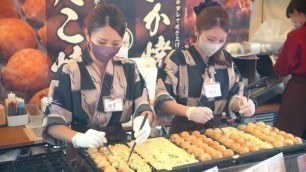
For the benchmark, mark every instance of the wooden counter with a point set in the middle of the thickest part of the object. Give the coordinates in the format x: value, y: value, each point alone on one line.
x: 11, y: 137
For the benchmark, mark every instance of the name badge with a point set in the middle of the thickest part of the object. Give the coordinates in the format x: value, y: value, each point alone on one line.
x: 212, y: 90
x: 112, y: 105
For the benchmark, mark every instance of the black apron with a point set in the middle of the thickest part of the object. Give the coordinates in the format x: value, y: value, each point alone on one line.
x: 292, y: 112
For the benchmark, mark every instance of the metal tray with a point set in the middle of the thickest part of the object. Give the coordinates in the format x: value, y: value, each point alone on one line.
x: 221, y: 163
x: 293, y: 148
x: 91, y: 165
x: 47, y: 162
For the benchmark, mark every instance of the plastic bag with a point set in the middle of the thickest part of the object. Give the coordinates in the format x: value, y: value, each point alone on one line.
x: 272, y: 35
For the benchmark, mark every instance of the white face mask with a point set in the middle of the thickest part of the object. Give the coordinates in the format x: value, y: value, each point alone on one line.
x: 297, y: 25
x: 209, y: 48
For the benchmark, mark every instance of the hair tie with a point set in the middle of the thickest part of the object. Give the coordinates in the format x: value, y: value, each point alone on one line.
x: 208, y: 3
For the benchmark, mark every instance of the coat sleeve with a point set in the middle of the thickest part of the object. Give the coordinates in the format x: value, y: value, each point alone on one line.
x: 166, y: 84
x: 141, y: 94
x: 58, y: 110
x: 236, y: 92
x: 289, y: 56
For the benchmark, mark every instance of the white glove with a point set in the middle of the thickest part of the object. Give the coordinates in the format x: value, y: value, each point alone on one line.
x: 246, y: 107
x: 144, y: 133
x: 90, y: 139
x: 199, y: 114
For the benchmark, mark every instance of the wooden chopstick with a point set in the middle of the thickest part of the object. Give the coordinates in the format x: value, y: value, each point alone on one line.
x: 142, y: 124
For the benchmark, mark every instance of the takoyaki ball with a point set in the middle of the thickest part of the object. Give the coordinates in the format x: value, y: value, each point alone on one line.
x: 216, y: 155
x: 242, y: 127
x: 185, y: 134
x: 288, y: 142
x: 198, y: 143
x: 209, y: 150
x: 202, y: 137
x: 274, y: 129
x: 196, y: 133
x: 260, y: 124
x: 266, y: 131
x: 278, y: 143
x: 220, y: 148
x: 217, y: 136
x: 222, y: 139
x: 251, y: 124
x: 214, y: 144
x: 191, y: 139
x: 179, y: 141
x: 247, y: 144
x: 279, y: 137
x: 273, y: 134
x: 249, y: 129
x: 173, y: 137
x: 233, y: 136
x: 228, y: 142
x: 288, y: 136
x: 253, y: 148
x: 297, y: 140
x: 270, y: 139
x: 235, y: 146
x: 208, y: 141
x: 283, y: 133
x: 240, y: 141
x: 218, y: 130
x: 227, y: 153
x: 205, y: 146
x: 256, y: 133
x: 185, y: 145
x: 243, y: 150
x: 209, y: 132
x: 198, y: 152
x: 205, y: 157
x: 192, y: 149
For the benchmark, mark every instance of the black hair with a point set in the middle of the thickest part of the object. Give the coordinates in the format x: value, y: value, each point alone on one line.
x: 106, y: 14
x: 298, y: 5
x: 210, y: 15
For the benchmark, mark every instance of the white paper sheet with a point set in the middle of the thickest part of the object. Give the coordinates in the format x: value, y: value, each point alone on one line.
x: 273, y: 164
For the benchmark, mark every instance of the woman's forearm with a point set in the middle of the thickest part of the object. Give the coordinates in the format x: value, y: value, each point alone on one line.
x: 171, y: 107
x: 235, y: 105
x: 61, y: 132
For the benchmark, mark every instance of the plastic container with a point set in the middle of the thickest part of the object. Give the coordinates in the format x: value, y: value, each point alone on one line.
x: 35, y: 115
x: 17, y: 120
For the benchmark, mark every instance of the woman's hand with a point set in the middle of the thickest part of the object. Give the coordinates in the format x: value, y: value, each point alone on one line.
x: 142, y: 134
x: 90, y: 139
x: 246, y: 107
x: 199, y: 114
